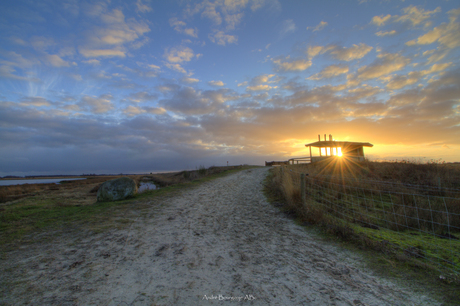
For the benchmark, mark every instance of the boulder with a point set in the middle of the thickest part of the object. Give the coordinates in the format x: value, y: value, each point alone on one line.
x: 117, y: 189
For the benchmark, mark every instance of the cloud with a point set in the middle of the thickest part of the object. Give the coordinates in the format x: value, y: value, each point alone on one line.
x: 330, y: 71
x: 56, y: 61
x: 319, y: 27
x: 416, y: 16
x: 35, y: 101
x: 264, y: 78
x: 436, y: 55
x: 188, y: 101
x: 133, y: 111
x: 94, y: 62
x: 288, y: 26
x: 143, y: 8
x: 380, y: 20
x: 138, y: 44
x: 216, y: 83
x: 7, y: 72
x: 313, y: 51
x: 179, y: 26
x: 18, y: 41
x: 291, y: 65
x: 76, y: 77
x: 437, y: 68
x: 179, y: 55
x: 364, y: 91
x: 230, y: 11
x: 211, y: 13
x: 154, y: 67
x: 176, y: 67
x: 386, y: 33
x: 168, y: 88
x: 99, y: 105
x: 401, y: 81
x: 189, y: 80
x: 155, y: 110
x: 352, y: 53
x: 225, y: 16
x: 233, y: 20
x: 110, y: 37
x: 428, y: 38
x: 235, y: 5
x: 142, y: 96
x: 220, y: 38
x: 383, y: 65
x: 273, y: 5
x: 15, y: 59
x: 447, y: 34
x: 41, y: 43
x: 102, y: 75
x: 259, y: 88
x: 102, y: 53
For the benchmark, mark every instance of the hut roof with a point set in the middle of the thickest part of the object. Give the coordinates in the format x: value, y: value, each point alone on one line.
x: 321, y: 144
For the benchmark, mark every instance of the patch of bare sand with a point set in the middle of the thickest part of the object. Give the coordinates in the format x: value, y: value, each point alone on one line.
x: 214, y: 243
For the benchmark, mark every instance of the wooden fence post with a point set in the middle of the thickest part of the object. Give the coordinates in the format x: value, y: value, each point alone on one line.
x: 302, y: 189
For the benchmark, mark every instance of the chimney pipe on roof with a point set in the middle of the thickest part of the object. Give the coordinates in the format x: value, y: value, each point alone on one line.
x: 319, y: 137
x: 324, y: 137
x: 330, y: 137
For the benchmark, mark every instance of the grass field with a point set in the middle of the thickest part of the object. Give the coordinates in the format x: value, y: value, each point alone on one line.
x: 407, y: 213
x: 28, y: 209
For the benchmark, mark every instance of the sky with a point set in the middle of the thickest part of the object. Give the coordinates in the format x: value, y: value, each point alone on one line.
x: 141, y: 86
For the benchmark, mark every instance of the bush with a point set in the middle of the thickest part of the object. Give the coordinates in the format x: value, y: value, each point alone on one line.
x: 202, y: 170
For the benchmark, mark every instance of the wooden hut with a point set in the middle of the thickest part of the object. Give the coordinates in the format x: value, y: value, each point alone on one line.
x: 330, y: 147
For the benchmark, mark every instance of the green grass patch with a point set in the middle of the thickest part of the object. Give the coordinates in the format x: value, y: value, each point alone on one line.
x: 33, y: 214
x: 18, y: 220
x: 438, y: 251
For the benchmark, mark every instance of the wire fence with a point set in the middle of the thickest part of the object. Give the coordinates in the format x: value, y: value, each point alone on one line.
x: 420, y: 221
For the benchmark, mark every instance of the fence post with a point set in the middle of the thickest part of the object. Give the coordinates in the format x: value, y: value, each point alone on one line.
x: 302, y: 189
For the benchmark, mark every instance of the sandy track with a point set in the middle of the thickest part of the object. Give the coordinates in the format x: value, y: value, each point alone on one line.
x: 221, y: 240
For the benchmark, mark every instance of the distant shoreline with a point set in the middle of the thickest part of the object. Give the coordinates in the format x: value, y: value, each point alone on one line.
x: 41, y: 177
x: 6, y: 183
x: 58, y: 176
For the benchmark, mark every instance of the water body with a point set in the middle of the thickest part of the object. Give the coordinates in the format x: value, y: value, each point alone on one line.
x: 146, y: 186
x: 37, y: 181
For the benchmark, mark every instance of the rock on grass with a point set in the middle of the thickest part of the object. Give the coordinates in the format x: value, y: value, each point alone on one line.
x: 117, y: 189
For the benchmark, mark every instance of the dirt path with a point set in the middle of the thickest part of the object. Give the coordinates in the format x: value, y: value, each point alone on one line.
x: 205, y: 246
